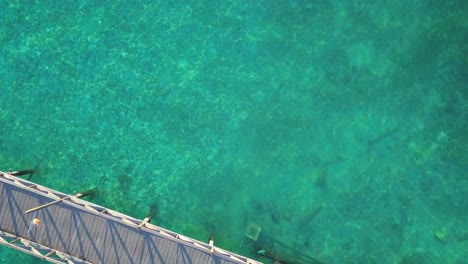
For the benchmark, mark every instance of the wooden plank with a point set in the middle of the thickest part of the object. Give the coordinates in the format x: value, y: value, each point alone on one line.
x: 169, y: 250
x: 36, y: 231
x: 4, y: 207
x: 19, y: 222
x: 120, y: 242
x: 109, y: 245
x: 158, y: 242
x: 45, y: 205
x: 98, y: 227
x: 183, y: 253
x: 152, y: 242
x: 203, y: 256
x: 112, y: 256
x: 49, y: 237
x: 89, y: 245
x: 172, y: 251
x: 122, y: 255
x: 58, y: 223
x: 114, y: 241
x: 73, y: 228
x: 128, y: 235
x: 131, y: 240
x: 85, y: 245
x: 165, y: 248
x: 140, y: 248
x: 10, y: 212
x: 146, y: 252
x: 199, y: 256
x: 91, y: 225
x: 138, y: 251
x: 77, y: 248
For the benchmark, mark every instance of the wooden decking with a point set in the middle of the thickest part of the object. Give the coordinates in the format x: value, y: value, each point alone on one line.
x: 77, y: 231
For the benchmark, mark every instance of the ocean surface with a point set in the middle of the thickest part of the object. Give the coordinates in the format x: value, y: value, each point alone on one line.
x: 335, y: 130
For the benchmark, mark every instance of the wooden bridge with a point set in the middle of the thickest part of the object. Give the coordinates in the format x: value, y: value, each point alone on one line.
x: 72, y: 230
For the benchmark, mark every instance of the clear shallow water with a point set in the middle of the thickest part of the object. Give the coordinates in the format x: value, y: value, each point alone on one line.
x: 338, y: 128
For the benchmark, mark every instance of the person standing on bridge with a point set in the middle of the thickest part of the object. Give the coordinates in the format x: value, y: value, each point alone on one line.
x: 35, y: 222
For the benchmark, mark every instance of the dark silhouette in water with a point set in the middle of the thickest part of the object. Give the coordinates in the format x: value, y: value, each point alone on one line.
x: 29, y: 172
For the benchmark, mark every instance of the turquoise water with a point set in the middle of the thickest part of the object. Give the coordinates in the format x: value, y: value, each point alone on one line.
x: 337, y: 127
